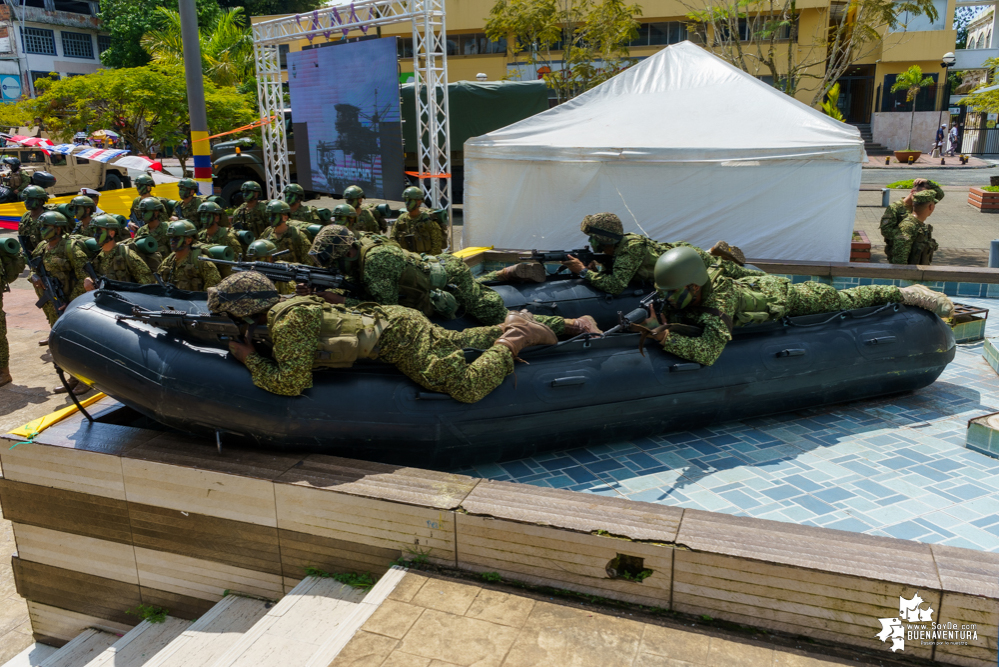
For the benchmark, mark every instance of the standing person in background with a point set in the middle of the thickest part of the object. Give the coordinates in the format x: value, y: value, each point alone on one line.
x: 900, y: 208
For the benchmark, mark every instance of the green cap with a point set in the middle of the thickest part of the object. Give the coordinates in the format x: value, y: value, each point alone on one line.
x: 925, y: 197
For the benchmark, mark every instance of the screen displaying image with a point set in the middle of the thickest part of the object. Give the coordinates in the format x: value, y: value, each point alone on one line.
x: 345, y: 113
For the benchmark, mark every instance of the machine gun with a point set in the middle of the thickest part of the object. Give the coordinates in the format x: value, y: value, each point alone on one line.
x: 282, y: 272
x: 51, y: 287
x: 584, y: 255
x: 199, y: 326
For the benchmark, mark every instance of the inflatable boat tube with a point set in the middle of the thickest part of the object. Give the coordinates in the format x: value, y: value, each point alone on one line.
x: 576, y: 394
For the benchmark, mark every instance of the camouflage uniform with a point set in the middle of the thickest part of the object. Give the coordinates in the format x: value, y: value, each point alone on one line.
x: 10, y: 268
x: 254, y: 220
x: 427, y: 354
x: 893, y: 216
x: 294, y: 240
x: 427, y: 238
x: 306, y: 214
x: 913, y: 242
x: 82, y: 229
x: 783, y: 298
x: 368, y: 222
x: 29, y: 228
x: 135, y: 215
x: 222, y: 236
x: 160, y: 234
x: 189, y: 211
x: 190, y: 274
x: 123, y: 263
x: 65, y: 262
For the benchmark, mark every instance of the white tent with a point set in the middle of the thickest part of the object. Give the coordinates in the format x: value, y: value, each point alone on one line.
x: 682, y: 146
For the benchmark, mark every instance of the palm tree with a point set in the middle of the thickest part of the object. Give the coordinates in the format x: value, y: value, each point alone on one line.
x: 226, y: 45
x: 912, y: 81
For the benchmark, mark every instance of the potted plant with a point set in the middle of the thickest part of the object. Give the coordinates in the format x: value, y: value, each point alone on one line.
x: 911, y: 81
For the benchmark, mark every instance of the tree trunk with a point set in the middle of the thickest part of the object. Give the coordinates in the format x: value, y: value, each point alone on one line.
x: 912, y: 119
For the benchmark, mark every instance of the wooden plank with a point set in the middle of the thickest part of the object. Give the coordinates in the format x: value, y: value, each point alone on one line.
x: 62, y: 625
x: 202, y: 491
x: 574, y: 511
x: 75, y: 591
x: 181, y: 606
x: 967, y: 570
x: 101, y: 558
x: 81, y: 649
x: 65, y: 511
x: 201, y: 454
x: 301, y: 550
x: 203, y: 579
x: 413, y: 486
x: 822, y: 549
x: 377, y: 523
x: 237, y: 543
x: 968, y: 611
x: 31, y: 656
x: 213, y: 634
x: 141, y: 643
x: 78, y: 470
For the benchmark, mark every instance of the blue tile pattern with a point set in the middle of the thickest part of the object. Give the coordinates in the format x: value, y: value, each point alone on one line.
x: 894, y: 467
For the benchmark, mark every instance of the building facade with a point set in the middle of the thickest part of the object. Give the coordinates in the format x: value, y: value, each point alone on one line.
x: 47, y: 38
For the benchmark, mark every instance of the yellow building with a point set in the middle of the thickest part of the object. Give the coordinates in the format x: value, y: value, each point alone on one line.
x: 865, y: 88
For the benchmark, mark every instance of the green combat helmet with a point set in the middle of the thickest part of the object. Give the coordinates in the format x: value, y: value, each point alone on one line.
x: 275, y: 209
x: 345, y: 214
x: 34, y: 197
x: 603, y: 229
x: 251, y: 189
x: 412, y: 193
x: 178, y: 231
x: 51, y: 222
x: 332, y: 243
x: 84, y: 202
x: 187, y: 187
x: 102, y: 224
x: 148, y: 206
x: 293, y: 193
x: 243, y: 294
x: 260, y: 250
x: 207, y: 212
x: 353, y: 195
x: 679, y: 267
x: 144, y: 184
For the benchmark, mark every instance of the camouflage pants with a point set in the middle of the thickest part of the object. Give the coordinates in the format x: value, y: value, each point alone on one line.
x: 50, y: 312
x: 4, y: 347
x: 811, y: 298
x: 492, y: 276
x: 432, y: 356
x: 482, y: 302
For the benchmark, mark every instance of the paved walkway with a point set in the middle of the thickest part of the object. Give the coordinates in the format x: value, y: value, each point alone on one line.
x: 439, y: 622
x: 924, y: 161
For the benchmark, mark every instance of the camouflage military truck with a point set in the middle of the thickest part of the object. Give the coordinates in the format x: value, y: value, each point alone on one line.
x: 71, y: 173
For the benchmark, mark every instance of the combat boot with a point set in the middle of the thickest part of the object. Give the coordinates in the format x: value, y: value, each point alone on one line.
x: 75, y: 386
x: 5, y: 377
x: 925, y: 298
x: 581, y: 325
x: 521, y: 330
x: 532, y: 272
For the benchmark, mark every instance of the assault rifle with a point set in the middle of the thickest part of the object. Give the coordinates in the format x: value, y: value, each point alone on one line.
x: 51, y: 287
x: 584, y: 255
x: 282, y: 272
x: 200, y: 326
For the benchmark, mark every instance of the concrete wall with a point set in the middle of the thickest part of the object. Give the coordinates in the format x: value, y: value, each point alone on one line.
x: 891, y: 129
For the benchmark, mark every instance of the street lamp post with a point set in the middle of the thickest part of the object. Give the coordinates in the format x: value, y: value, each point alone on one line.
x: 946, y: 62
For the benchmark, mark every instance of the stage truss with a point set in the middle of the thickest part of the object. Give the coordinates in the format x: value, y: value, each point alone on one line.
x: 430, y: 76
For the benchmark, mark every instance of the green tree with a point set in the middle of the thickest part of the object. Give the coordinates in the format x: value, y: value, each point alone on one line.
x: 16, y: 114
x: 831, y: 106
x: 592, y: 36
x: 985, y: 102
x: 762, y: 37
x: 226, y: 45
x: 268, y: 7
x: 146, y: 105
x: 912, y: 81
x: 126, y: 21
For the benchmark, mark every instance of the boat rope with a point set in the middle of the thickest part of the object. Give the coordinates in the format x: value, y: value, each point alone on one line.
x: 841, y: 315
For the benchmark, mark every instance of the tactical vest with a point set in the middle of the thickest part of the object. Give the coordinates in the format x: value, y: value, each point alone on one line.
x: 416, y: 236
x: 344, y: 336
x: 422, y: 281
x: 650, y: 254
x: 187, y: 274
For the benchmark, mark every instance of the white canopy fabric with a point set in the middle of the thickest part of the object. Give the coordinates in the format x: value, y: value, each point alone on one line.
x: 683, y: 147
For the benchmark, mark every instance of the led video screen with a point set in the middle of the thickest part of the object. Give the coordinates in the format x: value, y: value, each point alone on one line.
x: 345, y: 117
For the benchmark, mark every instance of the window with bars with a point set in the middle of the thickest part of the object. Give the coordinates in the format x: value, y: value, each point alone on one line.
x: 103, y: 43
x: 38, y: 40
x: 77, y: 45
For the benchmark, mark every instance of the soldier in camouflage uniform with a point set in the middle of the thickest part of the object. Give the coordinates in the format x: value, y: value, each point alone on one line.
x: 153, y: 214
x: 391, y: 275
x: 116, y: 261
x: 346, y: 216
x: 182, y: 268
x: 286, y: 236
x: 899, y: 209
x: 11, y: 266
x: 15, y: 178
x: 708, y: 299
x: 34, y: 203
x: 368, y: 218
x: 294, y: 194
x: 251, y: 214
x: 144, y: 184
x: 83, y: 209
x: 263, y: 251
x: 416, y: 230
x: 214, y: 232
x: 187, y: 207
x: 309, y: 333
x: 913, y: 241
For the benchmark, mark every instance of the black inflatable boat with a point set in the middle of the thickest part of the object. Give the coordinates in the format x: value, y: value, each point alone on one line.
x: 578, y: 393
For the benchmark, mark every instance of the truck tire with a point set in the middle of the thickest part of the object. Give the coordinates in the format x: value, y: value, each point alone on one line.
x: 231, y: 194
x: 112, y: 182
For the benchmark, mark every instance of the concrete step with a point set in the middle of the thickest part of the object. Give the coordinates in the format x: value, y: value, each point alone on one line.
x: 308, y: 626
x: 140, y: 644
x: 81, y: 649
x: 33, y: 656
x: 204, y: 641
